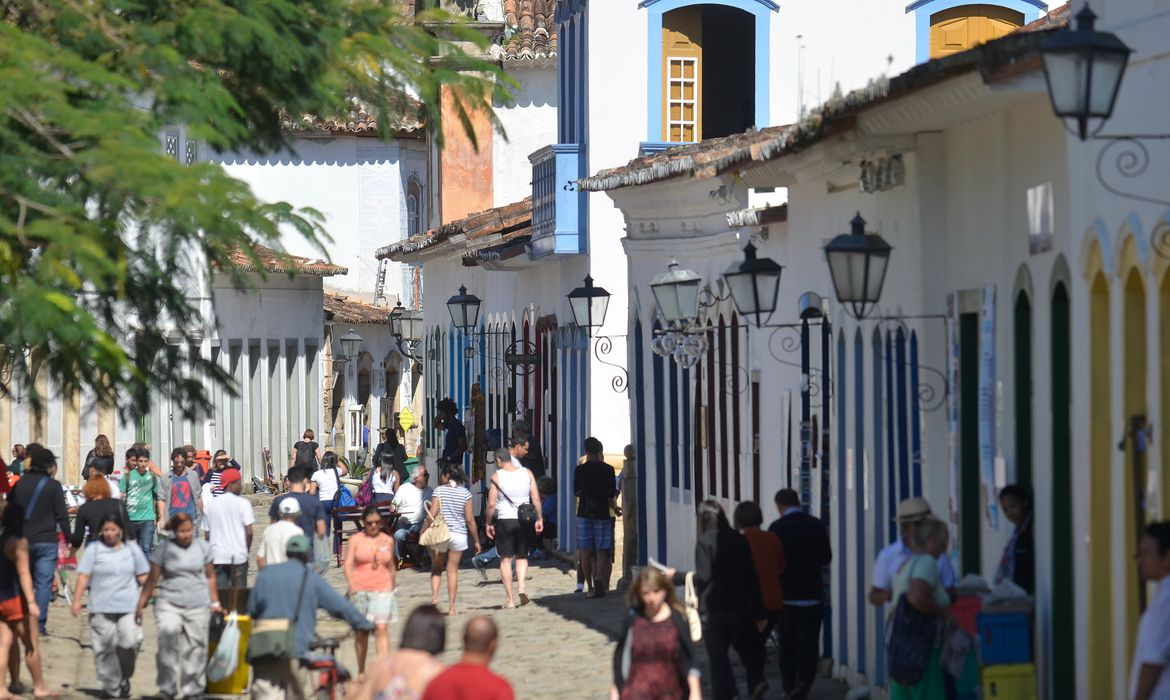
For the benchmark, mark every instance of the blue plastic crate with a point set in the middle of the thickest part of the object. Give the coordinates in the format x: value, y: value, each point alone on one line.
x: 1005, y: 638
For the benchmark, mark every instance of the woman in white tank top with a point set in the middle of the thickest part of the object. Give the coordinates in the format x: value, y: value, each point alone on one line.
x: 511, y: 487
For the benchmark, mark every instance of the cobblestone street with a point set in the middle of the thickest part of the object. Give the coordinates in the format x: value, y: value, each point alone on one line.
x: 559, y: 646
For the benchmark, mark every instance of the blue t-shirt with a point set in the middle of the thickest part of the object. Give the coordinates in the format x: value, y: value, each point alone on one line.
x: 311, y: 511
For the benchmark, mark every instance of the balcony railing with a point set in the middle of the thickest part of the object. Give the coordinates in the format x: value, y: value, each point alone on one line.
x: 558, y: 209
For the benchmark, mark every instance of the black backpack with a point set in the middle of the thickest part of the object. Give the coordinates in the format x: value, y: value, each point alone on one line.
x: 306, y: 456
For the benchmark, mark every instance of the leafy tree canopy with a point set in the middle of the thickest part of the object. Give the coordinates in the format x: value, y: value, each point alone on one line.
x: 102, y: 235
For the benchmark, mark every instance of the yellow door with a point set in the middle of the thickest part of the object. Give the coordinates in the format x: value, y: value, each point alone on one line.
x: 1101, y: 441
x: 682, y: 71
x: 964, y: 27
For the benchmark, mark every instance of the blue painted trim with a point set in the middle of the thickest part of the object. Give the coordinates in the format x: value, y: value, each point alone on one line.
x: 759, y: 9
x: 687, y: 452
x: 903, y: 410
x: 924, y: 9
x: 842, y: 541
x: 659, y: 454
x: 891, y: 441
x: 859, y: 492
x: 675, y: 444
x: 650, y: 147
x: 915, y: 418
x: 1106, y: 247
x: 640, y: 432
x: 880, y: 515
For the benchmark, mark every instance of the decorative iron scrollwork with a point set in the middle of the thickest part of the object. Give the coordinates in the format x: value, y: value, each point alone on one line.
x: 602, y: 348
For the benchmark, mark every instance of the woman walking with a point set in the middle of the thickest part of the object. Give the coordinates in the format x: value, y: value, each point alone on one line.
x: 404, y: 675
x: 454, y: 500
x: 182, y: 574
x: 919, y: 582
x: 98, y: 504
x: 654, y: 658
x: 730, y: 603
x: 18, y: 606
x: 326, y: 482
x: 111, y: 570
x: 369, y: 572
x: 512, y: 486
x: 101, y: 458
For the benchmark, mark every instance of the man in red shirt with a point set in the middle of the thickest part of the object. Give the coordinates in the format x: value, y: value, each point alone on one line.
x: 470, y: 679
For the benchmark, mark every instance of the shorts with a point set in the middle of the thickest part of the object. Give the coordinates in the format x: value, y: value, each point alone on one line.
x: 594, y: 534
x: 379, y: 607
x: 512, y: 538
x: 458, y: 543
x: 13, y: 609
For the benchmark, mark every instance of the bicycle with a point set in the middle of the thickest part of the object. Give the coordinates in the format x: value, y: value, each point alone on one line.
x: 331, y: 674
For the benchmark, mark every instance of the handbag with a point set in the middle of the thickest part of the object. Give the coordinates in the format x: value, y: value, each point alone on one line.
x: 691, y: 607
x: 437, y: 532
x: 365, y: 494
x: 275, y: 639
x: 911, y: 639
x: 525, y: 512
x: 957, y: 644
x: 344, y: 497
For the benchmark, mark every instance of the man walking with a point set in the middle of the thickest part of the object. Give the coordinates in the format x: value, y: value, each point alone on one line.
x: 43, y: 501
x: 806, y: 548
x: 179, y: 490
x: 277, y: 535
x: 596, y: 491
x: 911, y: 513
x: 144, y: 505
x: 274, y: 597
x: 470, y: 679
x: 229, y: 530
x: 310, y: 515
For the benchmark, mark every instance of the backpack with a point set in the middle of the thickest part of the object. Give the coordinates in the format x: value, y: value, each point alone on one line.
x: 306, y: 457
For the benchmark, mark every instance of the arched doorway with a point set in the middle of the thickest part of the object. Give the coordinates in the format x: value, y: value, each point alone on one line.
x: 1022, y: 356
x: 1135, y: 375
x: 1100, y: 483
x: 1063, y: 602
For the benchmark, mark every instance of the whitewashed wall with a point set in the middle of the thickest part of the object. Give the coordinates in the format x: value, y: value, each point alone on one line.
x: 529, y: 123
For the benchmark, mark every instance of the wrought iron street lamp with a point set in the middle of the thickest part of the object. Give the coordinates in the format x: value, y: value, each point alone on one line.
x: 857, y: 264
x: 677, y: 294
x: 754, y: 285
x: 464, y: 310
x: 589, y: 304
x: 1083, y: 68
x: 351, y: 344
x: 406, y: 325
x: 396, y: 320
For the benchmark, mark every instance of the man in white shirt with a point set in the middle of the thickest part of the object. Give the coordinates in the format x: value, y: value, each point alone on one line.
x: 272, y: 545
x: 228, y: 527
x: 409, y: 503
x: 1149, y: 677
x: 911, y: 512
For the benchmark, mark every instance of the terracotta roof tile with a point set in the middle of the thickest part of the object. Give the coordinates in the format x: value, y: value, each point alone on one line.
x: 493, y: 223
x: 358, y: 122
x: 266, y: 259
x: 712, y: 157
x: 343, y: 309
x: 534, y: 30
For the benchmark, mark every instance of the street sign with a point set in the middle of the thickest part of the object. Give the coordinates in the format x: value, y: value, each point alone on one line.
x: 521, y: 357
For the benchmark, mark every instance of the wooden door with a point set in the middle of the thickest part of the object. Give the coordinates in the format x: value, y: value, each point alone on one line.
x: 967, y: 26
x: 682, y: 70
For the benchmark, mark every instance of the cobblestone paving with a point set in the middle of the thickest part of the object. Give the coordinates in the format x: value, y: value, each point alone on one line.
x: 559, y: 646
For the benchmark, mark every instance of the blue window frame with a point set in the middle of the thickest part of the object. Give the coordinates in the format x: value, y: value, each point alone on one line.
x: 761, y: 11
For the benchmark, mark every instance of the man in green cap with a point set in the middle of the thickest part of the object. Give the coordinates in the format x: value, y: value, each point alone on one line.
x: 274, y: 596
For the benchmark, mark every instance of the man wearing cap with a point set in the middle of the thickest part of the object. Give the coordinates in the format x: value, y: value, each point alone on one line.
x: 228, y: 527
x: 275, y: 595
x: 311, y: 516
x: 408, y: 503
x: 911, y: 512
x: 276, y: 537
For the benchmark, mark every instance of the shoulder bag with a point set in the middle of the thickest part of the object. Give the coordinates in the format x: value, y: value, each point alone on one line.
x: 911, y: 639
x: 437, y: 532
x: 691, y: 607
x: 525, y: 512
x: 344, y: 497
x: 275, y: 639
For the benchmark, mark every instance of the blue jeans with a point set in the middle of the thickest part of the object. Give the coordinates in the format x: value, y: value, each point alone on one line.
x: 400, y: 536
x: 327, y: 506
x: 43, y: 558
x: 142, y: 531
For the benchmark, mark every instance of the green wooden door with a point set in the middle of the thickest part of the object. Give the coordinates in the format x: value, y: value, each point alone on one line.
x: 1063, y: 611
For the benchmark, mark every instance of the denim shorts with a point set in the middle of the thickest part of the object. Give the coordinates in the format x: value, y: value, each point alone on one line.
x: 594, y: 533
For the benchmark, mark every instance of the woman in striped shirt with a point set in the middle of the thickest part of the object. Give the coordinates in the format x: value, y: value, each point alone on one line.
x: 454, y: 500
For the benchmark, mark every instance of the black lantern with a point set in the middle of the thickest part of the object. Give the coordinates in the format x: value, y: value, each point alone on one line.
x: 754, y: 285
x: 411, y: 324
x: 396, y: 320
x: 464, y: 310
x: 677, y: 294
x: 351, y: 344
x: 857, y: 264
x: 1083, y: 69
x: 589, y: 305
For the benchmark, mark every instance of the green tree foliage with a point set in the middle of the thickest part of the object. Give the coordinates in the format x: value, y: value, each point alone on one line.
x: 102, y: 235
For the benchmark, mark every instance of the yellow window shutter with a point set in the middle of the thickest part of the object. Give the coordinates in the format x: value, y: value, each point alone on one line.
x: 682, y: 71
x: 967, y: 26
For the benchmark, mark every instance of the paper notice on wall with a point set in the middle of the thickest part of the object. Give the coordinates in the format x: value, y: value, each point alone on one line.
x: 987, y: 402
x: 1000, y: 474
x: 848, y: 468
x: 865, y: 478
